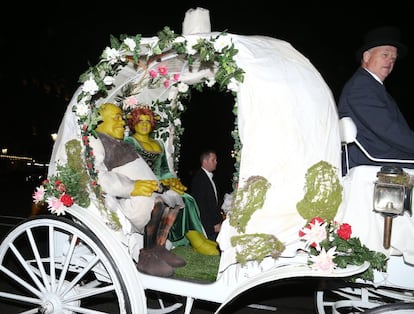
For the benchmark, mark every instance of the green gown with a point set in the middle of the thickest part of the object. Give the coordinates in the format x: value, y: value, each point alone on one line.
x: 189, y: 217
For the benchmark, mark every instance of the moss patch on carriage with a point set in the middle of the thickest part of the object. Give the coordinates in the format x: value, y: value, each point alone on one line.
x: 255, y: 247
x: 248, y: 199
x: 199, y: 267
x: 323, y: 193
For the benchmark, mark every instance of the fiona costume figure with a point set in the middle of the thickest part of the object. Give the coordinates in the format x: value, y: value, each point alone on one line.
x: 141, y: 123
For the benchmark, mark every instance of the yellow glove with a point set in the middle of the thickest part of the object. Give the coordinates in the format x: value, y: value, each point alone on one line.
x: 175, y: 185
x: 144, y: 187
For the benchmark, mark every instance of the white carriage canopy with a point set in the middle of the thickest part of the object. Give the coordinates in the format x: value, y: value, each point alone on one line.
x: 286, y: 115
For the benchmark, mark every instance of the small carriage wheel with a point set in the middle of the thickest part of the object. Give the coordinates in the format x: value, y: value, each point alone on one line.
x: 54, y: 265
x: 350, y: 300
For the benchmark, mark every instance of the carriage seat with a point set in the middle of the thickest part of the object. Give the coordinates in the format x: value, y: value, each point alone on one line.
x: 348, y: 133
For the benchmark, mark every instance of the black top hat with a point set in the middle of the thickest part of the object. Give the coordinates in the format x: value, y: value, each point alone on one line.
x: 383, y: 36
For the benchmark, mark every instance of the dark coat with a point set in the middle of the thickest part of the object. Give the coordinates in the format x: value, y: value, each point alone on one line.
x: 203, y: 192
x: 381, y: 127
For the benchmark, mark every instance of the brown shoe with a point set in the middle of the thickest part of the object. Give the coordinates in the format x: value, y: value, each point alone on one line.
x: 149, y: 263
x: 169, y: 257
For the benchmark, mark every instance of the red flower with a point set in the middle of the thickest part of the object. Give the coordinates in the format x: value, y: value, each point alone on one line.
x: 61, y: 187
x: 317, y: 219
x: 66, y: 200
x: 344, y: 231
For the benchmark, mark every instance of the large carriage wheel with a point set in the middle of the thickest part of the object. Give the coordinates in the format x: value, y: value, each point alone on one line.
x: 54, y: 265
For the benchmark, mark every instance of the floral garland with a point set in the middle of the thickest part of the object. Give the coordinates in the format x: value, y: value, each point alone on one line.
x: 214, y: 52
x: 330, y: 246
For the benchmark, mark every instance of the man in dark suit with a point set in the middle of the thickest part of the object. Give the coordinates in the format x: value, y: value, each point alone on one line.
x: 204, y: 191
x: 381, y: 127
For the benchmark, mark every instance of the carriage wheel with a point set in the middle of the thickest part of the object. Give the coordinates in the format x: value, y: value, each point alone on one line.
x: 53, y: 265
x: 364, y: 299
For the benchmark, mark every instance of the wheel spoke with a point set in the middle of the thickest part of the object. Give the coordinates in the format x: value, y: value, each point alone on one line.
x: 52, y: 264
x: 39, y: 262
x: 67, y: 262
x: 18, y: 297
x: 20, y: 281
x: 91, y: 292
x: 79, y: 276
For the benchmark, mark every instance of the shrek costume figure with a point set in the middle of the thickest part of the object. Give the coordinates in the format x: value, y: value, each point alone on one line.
x: 132, y: 187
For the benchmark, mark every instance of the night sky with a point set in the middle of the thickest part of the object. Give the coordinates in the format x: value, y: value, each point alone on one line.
x: 46, y: 48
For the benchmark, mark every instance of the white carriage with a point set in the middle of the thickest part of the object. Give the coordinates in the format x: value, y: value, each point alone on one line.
x: 286, y: 123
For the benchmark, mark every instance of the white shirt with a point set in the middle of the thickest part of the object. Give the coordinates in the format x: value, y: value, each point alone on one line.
x: 210, y: 176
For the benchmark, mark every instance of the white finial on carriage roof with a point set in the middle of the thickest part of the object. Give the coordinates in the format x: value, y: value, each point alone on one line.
x: 196, y: 21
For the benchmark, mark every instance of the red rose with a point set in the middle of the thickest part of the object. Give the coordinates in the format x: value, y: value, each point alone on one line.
x: 61, y: 187
x: 344, y: 231
x: 66, y: 200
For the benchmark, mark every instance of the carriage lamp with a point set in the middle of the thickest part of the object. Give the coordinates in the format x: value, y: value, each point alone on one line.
x: 392, y: 195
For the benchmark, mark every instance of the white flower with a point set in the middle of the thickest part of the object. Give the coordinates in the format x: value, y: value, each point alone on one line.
x: 179, y: 40
x: 130, y: 43
x: 192, y: 41
x: 182, y: 87
x: 82, y: 110
x: 210, y: 82
x: 172, y: 94
x: 324, y: 261
x: 111, y: 55
x: 90, y: 86
x: 315, y: 234
x: 180, y: 106
x: 177, y: 122
x: 108, y: 80
x: 222, y: 42
x: 233, y: 85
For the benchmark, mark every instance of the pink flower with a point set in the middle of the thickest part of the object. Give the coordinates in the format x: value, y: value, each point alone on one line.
x: 162, y: 70
x: 39, y: 194
x: 153, y: 74
x: 176, y: 77
x: 131, y: 100
x: 166, y: 83
x: 324, y: 261
x: 56, y: 206
x: 314, y: 233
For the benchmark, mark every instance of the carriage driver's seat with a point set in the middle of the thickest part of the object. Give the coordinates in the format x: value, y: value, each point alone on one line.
x: 348, y: 133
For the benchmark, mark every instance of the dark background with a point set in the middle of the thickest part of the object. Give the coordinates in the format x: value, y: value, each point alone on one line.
x: 45, y: 47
